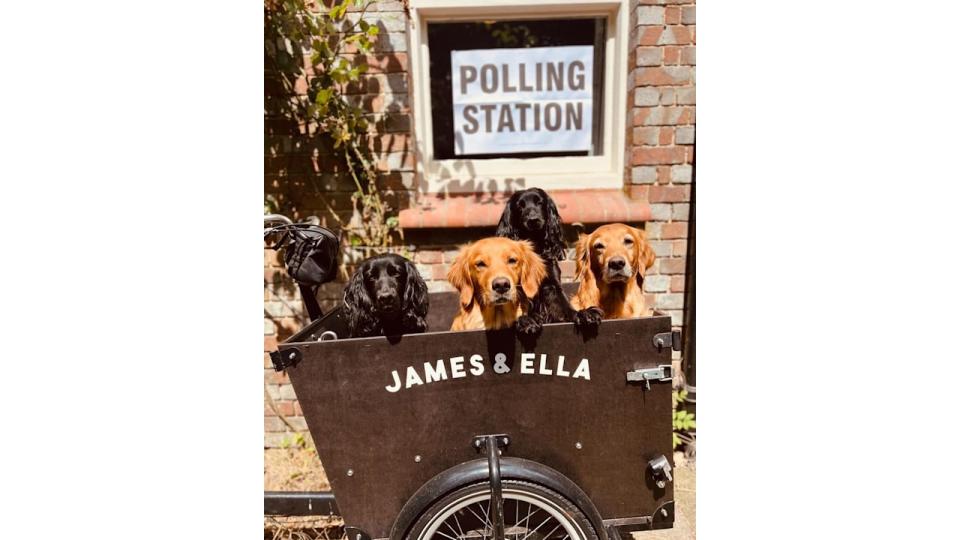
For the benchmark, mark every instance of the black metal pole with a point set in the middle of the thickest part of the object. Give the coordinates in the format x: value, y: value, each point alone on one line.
x: 496, y: 490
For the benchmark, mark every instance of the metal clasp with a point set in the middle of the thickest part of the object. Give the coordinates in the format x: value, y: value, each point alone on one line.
x: 661, y: 373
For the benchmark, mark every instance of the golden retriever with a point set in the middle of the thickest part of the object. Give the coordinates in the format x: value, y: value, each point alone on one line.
x: 488, y: 274
x: 611, y: 263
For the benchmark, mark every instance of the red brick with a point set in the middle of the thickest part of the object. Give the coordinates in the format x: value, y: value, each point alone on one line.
x: 439, y: 271
x: 429, y: 257
x: 639, y: 192
x: 659, y: 155
x: 285, y: 407
x: 679, y: 248
x: 666, y: 136
x: 677, y: 229
x: 672, y: 15
x: 382, y: 63
x: 663, y: 76
x: 645, y: 136
x: 669, y: 194
x: 389, y: 142
x: 663, y: 174
x: 640, y: 115
x: 671, y: 55
x: 269, y: 343
x: 681, y: 35
x: 673, y: 265
x: 677, y: 283
x: 650, y: 35
x: 688, y: 55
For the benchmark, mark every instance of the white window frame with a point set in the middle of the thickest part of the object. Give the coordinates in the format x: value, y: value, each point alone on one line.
x: 605, y: 171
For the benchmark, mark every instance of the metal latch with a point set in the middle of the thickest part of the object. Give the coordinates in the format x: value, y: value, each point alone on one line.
x: 660, y: 471
x: 667, y: 339
x: 659, y: 373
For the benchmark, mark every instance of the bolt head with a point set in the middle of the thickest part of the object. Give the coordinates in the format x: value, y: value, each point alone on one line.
x: 292, y: 355
x: 661, y: 484
x: 416, y: 459
x: 349, y: 472
x: 663, y: 512
x: 579, y: 446
x: 506, y: 440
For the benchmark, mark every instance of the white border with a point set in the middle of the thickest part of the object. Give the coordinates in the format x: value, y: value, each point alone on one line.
x: 467, y: 175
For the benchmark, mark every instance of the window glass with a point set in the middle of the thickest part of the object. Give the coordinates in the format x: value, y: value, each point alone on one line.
x: 443, y: 38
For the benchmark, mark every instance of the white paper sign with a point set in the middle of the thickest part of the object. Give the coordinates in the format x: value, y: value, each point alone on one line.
x: 508, y: 101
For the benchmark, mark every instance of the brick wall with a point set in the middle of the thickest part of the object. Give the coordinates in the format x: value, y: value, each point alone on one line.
x: 298, y: 173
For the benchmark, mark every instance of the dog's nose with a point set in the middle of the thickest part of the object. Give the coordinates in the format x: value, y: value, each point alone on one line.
x: 386, y: 296
x: 501, y: 285
x: 533, y: 223
x: 616, y: 263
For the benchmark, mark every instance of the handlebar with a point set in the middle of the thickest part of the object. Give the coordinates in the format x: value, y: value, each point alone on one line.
x: 272, y: 218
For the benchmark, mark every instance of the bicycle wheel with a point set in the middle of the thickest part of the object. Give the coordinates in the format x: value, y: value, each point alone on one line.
x: 530, y: 512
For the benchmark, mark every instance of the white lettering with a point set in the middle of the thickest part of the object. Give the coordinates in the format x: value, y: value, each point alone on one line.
x: 560, y: 371
x: 583, y: 370
x: 412, y: 377
x: 543, y: 365
x: 396, y: 382
x: 456, y: 367
x: 476, y: 363
x: 526, y: 363
x: 438, y: 373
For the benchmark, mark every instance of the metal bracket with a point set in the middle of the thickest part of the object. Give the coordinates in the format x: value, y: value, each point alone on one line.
x: 662, y: 373
x: 669, y: 339
x: 355, y: 533
x: 492, y: 444
x: 285, y: 359
x: 660, y: 470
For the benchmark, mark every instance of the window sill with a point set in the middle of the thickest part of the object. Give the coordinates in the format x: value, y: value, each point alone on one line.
x: 439, y: 211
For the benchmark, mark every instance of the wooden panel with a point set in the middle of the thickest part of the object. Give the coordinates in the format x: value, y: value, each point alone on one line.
x: 359, y: 425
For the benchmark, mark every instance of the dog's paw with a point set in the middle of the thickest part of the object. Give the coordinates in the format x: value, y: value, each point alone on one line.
x: 588, y: 318
x: 528, y: 326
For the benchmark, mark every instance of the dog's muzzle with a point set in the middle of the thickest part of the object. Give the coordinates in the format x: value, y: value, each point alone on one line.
x: 617, y: 269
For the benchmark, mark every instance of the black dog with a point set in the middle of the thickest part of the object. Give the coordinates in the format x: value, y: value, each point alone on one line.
x: 385, y: 296
x: 532, y: 215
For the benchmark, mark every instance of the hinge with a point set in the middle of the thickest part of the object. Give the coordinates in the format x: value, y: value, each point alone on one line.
x: 658, y: 374
x: 669, y: 339
x: 285, y: 359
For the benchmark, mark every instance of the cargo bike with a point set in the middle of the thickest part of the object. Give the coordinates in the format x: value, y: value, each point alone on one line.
x: 480, y: 434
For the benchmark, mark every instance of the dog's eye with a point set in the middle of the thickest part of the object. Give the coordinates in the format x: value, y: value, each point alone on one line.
x: 522, y: 204
x: 481, y: 264
x: 599, y: 247
x: 628, y: 241
x: 512, y: 260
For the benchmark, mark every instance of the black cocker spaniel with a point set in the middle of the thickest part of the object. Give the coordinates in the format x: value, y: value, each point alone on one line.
x: 385, y: 296
x: 532, y: 215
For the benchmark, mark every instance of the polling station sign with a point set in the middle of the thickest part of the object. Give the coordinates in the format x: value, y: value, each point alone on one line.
x: 509, y: 101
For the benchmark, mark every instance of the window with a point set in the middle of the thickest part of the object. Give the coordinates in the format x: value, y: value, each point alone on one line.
x: 518, y: 94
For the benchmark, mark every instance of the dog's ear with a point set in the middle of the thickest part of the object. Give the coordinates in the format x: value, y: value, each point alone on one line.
x: 583, y: 258
x: 505, y: 228
x: 415, y: 295
x: 357, y: 304
x: 553, y: 247
x: 459, y: 277
x: 532, y: 270
x: 416, y: 301
x: 645, y: 253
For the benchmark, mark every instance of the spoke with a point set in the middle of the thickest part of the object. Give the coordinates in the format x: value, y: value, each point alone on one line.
x: 445, y: 534
x: 529, y: 515
x: 458, y: 525
x: 546, y: 536
x: 483, y: 520
x: 549, y: 517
